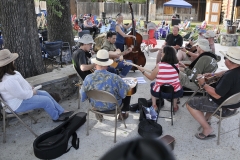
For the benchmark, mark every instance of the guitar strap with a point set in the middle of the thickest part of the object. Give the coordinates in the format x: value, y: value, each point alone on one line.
x: 175, y: 68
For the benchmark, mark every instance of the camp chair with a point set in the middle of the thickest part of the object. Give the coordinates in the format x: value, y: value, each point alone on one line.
x: 7, y: 115
x: 107, y: 97
x: 234, y: 99
x: 53, y: 52
x: 149, y: 40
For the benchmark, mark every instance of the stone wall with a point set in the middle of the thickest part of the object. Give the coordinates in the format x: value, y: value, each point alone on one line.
x: 61, y: 81
x: 229, y: 39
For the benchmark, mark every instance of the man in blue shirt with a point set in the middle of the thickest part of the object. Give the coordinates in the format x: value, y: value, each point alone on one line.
x: 101, y: 79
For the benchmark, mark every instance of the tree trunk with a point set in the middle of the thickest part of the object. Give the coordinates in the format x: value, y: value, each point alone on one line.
x: 60, y: 28
x: 19, y: 28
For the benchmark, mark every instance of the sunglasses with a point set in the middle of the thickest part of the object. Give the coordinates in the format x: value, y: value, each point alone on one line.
x: 225, y: 58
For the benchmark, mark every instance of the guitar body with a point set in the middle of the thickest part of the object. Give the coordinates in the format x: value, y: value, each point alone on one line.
x: 136, y: 56
x: 114, y: 64
x: 133, y: 83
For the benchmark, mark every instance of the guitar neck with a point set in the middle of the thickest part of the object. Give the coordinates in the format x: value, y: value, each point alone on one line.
x: 138, y: 66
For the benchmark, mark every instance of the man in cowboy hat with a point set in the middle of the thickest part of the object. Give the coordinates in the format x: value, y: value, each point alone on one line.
x: 81, y: 57
x: 101, y: 79
x: 204, y: 63
x: 227, y: 86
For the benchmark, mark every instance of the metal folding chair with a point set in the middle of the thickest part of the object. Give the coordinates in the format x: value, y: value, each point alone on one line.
x: 234, y: 99
x: 6, y: 115
x: 107, y: 97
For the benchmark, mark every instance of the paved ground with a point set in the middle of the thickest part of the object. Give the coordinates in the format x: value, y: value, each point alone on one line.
x: 92, y: 147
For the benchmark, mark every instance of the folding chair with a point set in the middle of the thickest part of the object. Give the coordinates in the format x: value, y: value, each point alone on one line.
x: 79, y: 84
x: 66, y: 52
x: 149, y: 40
x: 234, y: 99
x: 53, y: 51
x: 7, y: 115
x: 107, y: 97
x: 167, y: 88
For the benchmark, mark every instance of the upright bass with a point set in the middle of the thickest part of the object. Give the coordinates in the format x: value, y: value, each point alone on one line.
x: 137, y: 56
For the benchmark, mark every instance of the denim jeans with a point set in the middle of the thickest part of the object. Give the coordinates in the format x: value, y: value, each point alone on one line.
x: 125, y: 68
x: 42, y: 100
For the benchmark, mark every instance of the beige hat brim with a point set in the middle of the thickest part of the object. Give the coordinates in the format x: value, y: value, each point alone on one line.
x: 13, y: 57
x: 107, y: 63
x: 205, y: 48
x: 224, y: 53
x: 86, y: 42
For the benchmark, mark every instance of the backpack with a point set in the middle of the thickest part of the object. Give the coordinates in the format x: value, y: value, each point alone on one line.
x: 99, y: 40
x: 148, y: 128
x: 136, y: 106
x: 54, y: 143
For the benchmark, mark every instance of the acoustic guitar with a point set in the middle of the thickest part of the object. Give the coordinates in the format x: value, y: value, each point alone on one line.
x: 115, y: 62
x: 133, y: 83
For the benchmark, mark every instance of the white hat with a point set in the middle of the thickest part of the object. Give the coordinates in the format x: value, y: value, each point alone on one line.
x: 7, y: 57
x: 209, y: 34
x: 86, y: 39
x: 204, y: 45
x: 233, y: 54
x: 102, y: 58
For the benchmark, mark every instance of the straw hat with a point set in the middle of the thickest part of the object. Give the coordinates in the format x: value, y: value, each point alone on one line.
x: 204, y: 45
x: 102, y: 58
x: 209, y: 34
x: 7, y: 57
x: 86, y: 39
x: 233, y: 54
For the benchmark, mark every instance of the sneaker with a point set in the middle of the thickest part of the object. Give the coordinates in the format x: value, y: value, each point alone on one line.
x: 64, y: 116
x: 124, y: 115
x: 227, y: 112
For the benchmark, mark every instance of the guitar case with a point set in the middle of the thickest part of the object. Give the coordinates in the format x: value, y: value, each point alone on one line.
x: 54, y: 143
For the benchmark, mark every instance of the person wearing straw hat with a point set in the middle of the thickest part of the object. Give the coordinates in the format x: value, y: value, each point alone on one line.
x: 206, y: 62
x: 81, y: 56
x: 185, y: 55
x: 20, y: 95
x: 101, y: 79
x: 227, y: 86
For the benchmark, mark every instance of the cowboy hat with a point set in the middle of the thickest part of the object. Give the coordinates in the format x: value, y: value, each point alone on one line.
x: 7, y: 57
x: 204, y: 45
x: 102, y: 58
x: 86, y: 39
x: 233, y: 54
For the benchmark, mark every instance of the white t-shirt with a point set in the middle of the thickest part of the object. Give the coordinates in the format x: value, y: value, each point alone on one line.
x: 14, y: 89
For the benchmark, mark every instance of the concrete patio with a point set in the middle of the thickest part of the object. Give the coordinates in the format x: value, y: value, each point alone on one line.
x: 19, y: 145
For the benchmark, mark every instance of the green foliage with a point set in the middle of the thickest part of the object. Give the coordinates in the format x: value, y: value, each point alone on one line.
x: 133, y: 1
x: 56, y: 6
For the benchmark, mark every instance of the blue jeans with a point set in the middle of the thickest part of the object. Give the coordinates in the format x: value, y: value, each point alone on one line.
x: 42, y: 100
x: 120, y: 46
x: 125, y: 68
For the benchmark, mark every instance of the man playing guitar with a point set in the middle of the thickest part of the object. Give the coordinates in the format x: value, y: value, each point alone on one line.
x: 116, y: 54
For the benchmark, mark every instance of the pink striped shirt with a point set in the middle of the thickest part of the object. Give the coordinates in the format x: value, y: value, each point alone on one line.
x: 167, y: 75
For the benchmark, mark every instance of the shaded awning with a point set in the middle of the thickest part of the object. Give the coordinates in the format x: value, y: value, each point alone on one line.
x: 178, y: 3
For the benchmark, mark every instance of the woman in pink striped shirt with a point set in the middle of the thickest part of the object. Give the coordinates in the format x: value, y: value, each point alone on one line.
x: 165, y: 72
